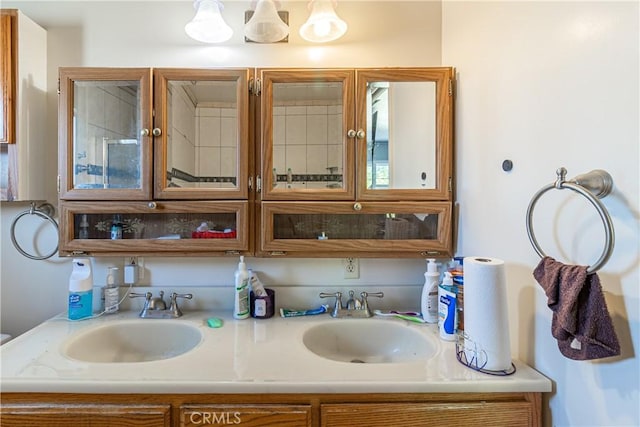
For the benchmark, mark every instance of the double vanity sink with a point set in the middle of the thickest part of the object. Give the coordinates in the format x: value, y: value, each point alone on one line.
x: 355, y: 341
x: 122, y: 353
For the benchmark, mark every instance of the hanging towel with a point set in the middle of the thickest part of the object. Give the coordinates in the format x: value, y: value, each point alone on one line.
x: 581, y: 322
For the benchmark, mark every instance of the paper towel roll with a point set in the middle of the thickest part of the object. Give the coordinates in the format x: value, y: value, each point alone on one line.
x: 486, y: 319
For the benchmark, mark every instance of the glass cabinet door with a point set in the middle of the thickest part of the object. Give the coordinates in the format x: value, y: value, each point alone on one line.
x: 407, y: 118
x: 202, y: 134
x: 342, y: 228
x: 105, y: 135
x: 103, y: 228
x: 306, y: 119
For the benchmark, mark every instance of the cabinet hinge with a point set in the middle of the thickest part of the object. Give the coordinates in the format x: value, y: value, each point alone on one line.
x: 450, y: 87
x: 232, y: 252
x: 255, y: 87
x: 74, y: 253
x: 277, y: 253
x: 258, y: 184
x: 450, y: 184
x: 58, y: 184
x: 429, y: 253
x: 250, y: 183
x: 58, y: 86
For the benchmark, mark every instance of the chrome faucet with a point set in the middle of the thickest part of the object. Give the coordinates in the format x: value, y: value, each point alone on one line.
x: 355, y: 307
x: 156, y: 307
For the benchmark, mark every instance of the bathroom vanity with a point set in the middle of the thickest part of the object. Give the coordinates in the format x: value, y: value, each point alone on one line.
x: 252, y: 373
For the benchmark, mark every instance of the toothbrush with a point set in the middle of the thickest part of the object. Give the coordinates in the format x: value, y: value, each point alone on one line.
x: 410, y: 318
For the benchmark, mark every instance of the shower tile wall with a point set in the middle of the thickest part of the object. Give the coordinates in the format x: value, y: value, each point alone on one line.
x: 102, y: 113
x: 307, y: 139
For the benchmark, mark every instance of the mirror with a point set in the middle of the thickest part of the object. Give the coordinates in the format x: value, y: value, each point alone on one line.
x: 106, y: 145
x: 202, y: 134
x: 307, y: 135
x: 401, y: 135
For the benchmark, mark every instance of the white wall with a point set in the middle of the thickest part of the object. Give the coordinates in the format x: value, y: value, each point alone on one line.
x: 151, y: 34
x: 544, y: 84
x: 550, y: 84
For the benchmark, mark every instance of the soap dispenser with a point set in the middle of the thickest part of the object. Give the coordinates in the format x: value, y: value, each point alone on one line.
x: 429, y: 298
x: 241, y: 283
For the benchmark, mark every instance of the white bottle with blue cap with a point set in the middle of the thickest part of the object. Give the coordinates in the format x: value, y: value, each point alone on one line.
x: 81, y: 289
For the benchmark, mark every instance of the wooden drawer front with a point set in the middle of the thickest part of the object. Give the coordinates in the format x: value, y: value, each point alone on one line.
x: 105, y: 415
x: 245, y: 415
x: 467, y: 414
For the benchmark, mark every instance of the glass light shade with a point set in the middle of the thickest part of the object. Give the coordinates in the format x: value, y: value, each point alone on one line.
x: 265, y: 26
x: 208, y: 26
x: 323, y: 24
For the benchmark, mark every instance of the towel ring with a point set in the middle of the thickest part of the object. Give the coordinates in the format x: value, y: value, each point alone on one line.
x: 593, y: 185
x: 44, y: 211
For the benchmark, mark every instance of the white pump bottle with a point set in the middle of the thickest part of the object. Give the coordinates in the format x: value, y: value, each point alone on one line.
x: 241, y: 300
x: 429, y: 299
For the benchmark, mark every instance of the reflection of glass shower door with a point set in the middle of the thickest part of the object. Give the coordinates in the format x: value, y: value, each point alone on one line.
x: 121, y: 167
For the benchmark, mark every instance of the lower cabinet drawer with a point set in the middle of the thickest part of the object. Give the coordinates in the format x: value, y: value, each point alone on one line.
x: 85, y: 415
x: 245, y: 415
x: 467, y: 414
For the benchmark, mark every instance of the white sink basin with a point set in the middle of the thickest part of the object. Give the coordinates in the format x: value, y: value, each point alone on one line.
x: 132, y: 341
x: 369, y: 341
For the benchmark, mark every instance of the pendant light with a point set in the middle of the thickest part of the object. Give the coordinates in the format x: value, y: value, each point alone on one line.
x: 265, y: 26
x: 208, y: 26
x: 323, y: 24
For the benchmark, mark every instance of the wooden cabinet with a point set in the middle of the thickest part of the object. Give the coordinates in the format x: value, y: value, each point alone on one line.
x: 85, y: 415
x: 173, y: 140
x: 285, y: 410
x: 468, y: 414
x: 346, y: 161
x: 363, y: 134
x: 246, y: 415
x: 23, y: 88
x: 378, y: 138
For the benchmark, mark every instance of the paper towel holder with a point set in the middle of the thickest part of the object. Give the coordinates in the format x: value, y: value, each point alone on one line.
x: 592, y: 185
x: 471, y: 355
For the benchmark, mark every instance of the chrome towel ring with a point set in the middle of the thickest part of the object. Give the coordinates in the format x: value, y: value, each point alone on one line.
x: 44, y: 211
x: 592, y: 185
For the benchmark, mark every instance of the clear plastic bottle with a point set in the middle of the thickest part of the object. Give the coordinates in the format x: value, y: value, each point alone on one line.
x: 241, y: 299
x: 112, y: 292
x: 429, y: 299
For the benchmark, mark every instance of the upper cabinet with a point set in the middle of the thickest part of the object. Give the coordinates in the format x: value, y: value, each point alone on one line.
x: 162, y: 156
x: 105, y: 134
x: 363, y: 134
x: 23, y: 89
x: 354, y: 162
x: 185, y: 139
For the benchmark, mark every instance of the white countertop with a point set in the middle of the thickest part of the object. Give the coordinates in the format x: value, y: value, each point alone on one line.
x: 243, y: 356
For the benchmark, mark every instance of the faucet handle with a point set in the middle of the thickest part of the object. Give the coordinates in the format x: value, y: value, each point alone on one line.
x: 146, y: 295
x: 338, y: 304
x: 365, y: 302
x: 174, y: 304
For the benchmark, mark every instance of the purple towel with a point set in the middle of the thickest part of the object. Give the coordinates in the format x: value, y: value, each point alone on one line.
x: 581, y: 322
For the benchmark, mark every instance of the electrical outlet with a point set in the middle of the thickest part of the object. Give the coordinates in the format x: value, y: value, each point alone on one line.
x: 351, y: 268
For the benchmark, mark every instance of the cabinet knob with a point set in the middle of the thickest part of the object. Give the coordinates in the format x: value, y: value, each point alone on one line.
x: 144, y: 132
x: 351, y: 133
x: 360, y: 134
x: 357, y: 206
x: 152, y: 205
x: 157, y: 132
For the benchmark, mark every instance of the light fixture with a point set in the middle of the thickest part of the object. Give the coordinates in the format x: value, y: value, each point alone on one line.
x: 265, y: 26
x: 323, y: 24
x: 208, y: 26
